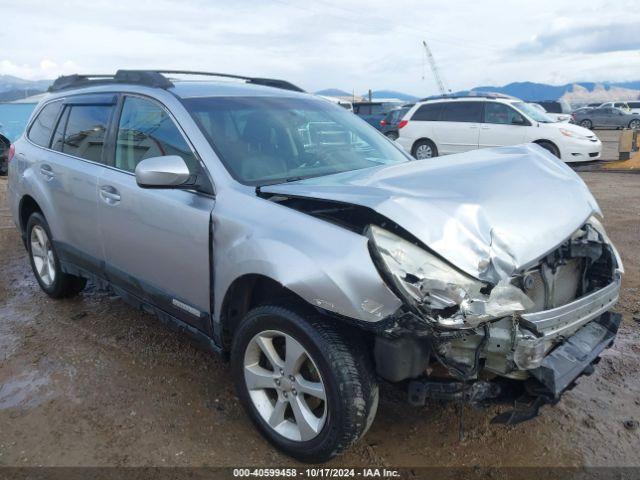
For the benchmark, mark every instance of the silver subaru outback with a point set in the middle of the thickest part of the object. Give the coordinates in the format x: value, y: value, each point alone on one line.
x: 282, y: 230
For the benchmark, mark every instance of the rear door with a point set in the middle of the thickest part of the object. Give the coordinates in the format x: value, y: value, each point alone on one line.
x: 156, y: 241
x: 502, y: 125
x: 458, y: 127
x: 70, y: 171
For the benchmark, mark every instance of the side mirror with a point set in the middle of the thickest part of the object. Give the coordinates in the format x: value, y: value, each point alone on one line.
x: 162, y: 172
x: 518, y: 121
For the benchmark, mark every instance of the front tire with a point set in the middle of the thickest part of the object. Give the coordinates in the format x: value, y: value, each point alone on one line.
x: 309, y: 391
x: 634, y: 124
x: 45, y: 262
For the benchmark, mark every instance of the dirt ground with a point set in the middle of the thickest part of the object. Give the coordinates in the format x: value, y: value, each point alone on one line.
x: 91, y: 382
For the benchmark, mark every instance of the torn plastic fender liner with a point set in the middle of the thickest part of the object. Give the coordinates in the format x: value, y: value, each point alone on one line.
x: 568, y: 361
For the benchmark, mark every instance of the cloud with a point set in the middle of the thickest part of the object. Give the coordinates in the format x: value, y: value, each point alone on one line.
x: 597, y: 38
x: 348, y: 44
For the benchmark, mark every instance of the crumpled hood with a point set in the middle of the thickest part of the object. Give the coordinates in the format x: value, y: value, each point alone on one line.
x: 489, y: 212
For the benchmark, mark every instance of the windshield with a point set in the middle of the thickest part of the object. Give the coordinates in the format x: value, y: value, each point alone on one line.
x: 532, y: 112
x: 266, y: 140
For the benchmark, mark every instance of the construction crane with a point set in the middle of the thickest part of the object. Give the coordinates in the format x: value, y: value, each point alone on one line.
x: 434, y: 68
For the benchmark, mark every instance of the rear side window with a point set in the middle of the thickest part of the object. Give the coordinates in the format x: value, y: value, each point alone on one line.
x: 146, y: 131
x: 42, y: 127
x: 461, y: 112
x: 85, y: 131
x: 502, y: 114
x: 633, y: 104
x: 428, y: 113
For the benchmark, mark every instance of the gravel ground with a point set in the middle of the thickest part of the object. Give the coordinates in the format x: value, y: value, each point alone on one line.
x: 91, y: 382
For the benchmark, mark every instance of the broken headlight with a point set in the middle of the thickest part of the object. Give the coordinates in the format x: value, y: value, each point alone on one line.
x: 450, y: 298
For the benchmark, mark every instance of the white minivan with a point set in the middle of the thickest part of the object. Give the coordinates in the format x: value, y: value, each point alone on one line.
x: 458, y: 124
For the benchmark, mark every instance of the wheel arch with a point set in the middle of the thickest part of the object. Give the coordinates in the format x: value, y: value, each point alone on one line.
x: 245, y: 293
x: 550, y: 142
x: 28, y: 205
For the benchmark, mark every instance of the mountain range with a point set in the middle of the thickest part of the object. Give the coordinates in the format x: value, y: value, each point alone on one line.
x: 14, y: 88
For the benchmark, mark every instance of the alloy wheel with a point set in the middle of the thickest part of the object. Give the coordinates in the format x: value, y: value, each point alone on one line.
x: 43, y: 256
x: 285, y: 385
x: 424, y: 151
x: 634, y: 124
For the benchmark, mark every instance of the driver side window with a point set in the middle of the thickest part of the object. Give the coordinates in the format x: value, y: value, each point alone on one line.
x: 146, y: 130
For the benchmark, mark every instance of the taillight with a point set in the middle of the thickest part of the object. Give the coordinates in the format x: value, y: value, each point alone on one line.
x: 383, y: 123
x: 12, y: 152
x: 402, y: 123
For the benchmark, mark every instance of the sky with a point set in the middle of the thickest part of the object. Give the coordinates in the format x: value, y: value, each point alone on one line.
x: 353, y: 45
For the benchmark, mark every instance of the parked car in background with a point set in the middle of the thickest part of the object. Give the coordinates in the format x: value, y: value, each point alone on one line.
x: 373, y: 112
x: 581, y: 110
x: 5, y: 145
x: 621, y: 105
x: 558, y: 117
x: 634, y: 106
x: 455, y: 125
x: 389, y: 125
x: 339, y: 101
x: 281, y: 230
x: 556, y: 106
x: 607, y: 117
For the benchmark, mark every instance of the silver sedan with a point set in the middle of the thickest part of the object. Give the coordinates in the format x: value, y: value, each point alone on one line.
x: 607, y: 117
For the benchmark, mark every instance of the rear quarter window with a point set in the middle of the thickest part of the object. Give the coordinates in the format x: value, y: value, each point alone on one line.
x: 461, y: 112
x: 42, y: 126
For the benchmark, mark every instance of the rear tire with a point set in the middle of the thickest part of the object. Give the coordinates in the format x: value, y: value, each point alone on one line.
x: 45, y: 262
x: 338, y: 368
x: 634, y: 124
x: 424, y: 149
x: 392, y: 135
x: 550, y: 147
x: 586, y: 124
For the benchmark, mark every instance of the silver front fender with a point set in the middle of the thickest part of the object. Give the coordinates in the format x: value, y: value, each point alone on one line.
x: 326, y: 265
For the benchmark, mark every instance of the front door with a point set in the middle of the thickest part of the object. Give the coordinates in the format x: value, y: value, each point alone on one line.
x: 502, y: 125
x: 156, y: 241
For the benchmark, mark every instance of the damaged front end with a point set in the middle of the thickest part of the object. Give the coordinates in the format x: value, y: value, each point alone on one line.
x: 465, y: 339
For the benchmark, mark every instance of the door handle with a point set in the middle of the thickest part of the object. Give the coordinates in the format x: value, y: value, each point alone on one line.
x: 46, y: 172
x: 110, y: 195
x: 473, y: 126
x: 485, y: 127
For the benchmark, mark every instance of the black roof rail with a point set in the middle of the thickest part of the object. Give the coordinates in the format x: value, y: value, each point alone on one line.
x: 155, y: 78
x: 268, y: 82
